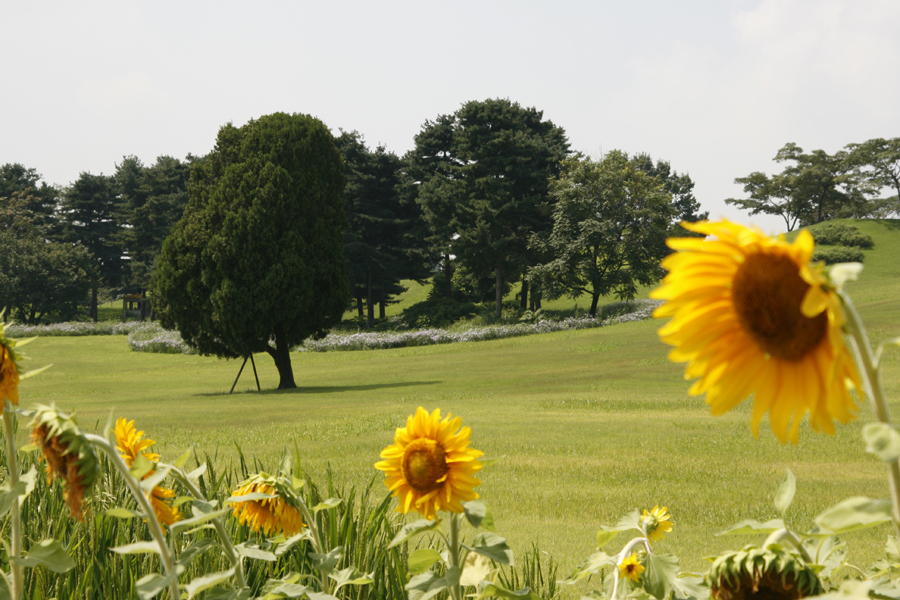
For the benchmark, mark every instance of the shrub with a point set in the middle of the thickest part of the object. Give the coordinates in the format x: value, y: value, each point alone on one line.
x: 838, y: 254
x: 840, y: 234
x: 437, y: 312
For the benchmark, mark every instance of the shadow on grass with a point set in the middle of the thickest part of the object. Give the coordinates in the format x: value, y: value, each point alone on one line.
x: 328, y: 389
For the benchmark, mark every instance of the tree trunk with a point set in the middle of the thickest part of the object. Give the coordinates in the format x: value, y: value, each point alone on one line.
x: 382, y: 304
x: 281, y: 354
x: 523, y: 304
x: 370, y: 306
x: 595, y: 298
x: 143, y: 307
x: 448, y: 276
x: 94, y: 303
x: 498, y: 284
x: 359, y: 306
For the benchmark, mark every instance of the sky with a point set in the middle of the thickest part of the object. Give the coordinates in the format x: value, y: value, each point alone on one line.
x: 715, y: 87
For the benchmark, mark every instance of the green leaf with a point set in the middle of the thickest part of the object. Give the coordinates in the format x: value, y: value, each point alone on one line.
x: 289, y: 543
x: 8, y: 496
x: 785, y: 494
x: 182, y: 460
x: 47, y: 553
x: 592, y: 566
x: 197, y: 473
x: 297, y: 483
x: 478, y: 514
x: 891, y: 342
x: 207, y: 581
x: 495, y: 590
x: 688, y: 587
x: 199, y: 519
x: 630, y: 521
x: 110, y: 423
x: 660, y: 571
x: 430, y: 584
x: 605, y: 536
x: 195, y: 550
x: 181, y: 500
x: 753, y: 527
x: 250, y: 497
x: 493, y: 546
x: 137, y: 548
x: 162, y: 471
x: 413, y: 529
x: 350, y: 576
x: 326, y: 504
x: 476, y: 569
x: 855, y: 513
x: 421, y: 560
x: 892, y: 549
x: 256, y: 552
x: 140, y: 467
x: 882, y: 440
x: 150, y: 585
x: 326, y: 562
x: 224, y: 593
x: 123, y: 513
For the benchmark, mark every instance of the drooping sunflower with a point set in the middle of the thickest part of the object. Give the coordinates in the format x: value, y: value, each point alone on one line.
x: 131, y: 443
x: 657, y: 523
x: 631, y: 568
x: 9, y: 371
x: 750, y: 315
x: 69, y: 455
x: 430, y: 466
x: 771, y: 573
x: 276, y: 514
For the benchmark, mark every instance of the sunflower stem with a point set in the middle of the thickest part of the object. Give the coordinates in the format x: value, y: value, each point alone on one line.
x: 628, y: 549
x: 224, y: 538
x: 875, y: 390
x: 16, y: 529
x: 143, y: 501
x: 455, y: 590
x: 317, y: 542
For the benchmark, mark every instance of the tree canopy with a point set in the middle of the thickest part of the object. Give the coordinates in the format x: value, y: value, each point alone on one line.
x: 256, y: 262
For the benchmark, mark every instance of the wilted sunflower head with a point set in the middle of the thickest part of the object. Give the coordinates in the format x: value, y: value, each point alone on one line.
x: 430, y: 466
x: 272, y: 505
x: 69, y: 455
x: 9, y: 370
x: 770, y: 573
x: 131, y: 444
x: 751, y: 315
x: 657, y: 523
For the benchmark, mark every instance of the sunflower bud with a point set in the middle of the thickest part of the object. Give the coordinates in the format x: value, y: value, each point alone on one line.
x: 773, y: 572
x: 69, y: 455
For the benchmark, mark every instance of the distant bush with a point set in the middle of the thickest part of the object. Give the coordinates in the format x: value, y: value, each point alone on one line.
x: 838, y: 254
x: 841, y: 234
x: 437, y: 312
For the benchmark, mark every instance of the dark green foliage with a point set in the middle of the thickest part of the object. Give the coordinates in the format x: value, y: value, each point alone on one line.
x: 681, y: 188
x: 258, y: 254
x: 437, y: 312
x: 39, y: 198
x: 480, y: 176
x: 41, y: 278
x: 838, y: 254
x: 877, y: 163
x: 610, y: 223
x: 840, y: 234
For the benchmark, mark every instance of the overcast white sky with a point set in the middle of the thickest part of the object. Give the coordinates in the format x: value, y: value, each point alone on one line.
x: 715, y: 87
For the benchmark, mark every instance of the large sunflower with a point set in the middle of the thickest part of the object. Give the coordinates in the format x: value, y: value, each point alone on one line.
x: 131, y: 443
x: 275, y: 514
x: 430, y: 466
x: 750, y: 315
x: 9, y: 372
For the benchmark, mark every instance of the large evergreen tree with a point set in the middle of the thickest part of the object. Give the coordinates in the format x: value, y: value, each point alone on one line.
x: 256, y: 262
x: 481, y: 178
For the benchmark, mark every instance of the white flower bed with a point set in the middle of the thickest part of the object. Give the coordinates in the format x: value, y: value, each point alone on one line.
x: 17, y: 330
x: 158, y: 340
x: 427, y: 337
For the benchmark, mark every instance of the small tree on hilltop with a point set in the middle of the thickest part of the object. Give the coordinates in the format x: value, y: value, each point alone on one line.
x: 256, y: 262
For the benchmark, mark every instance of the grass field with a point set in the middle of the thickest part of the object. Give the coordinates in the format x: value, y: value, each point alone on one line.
x: 588, y: 424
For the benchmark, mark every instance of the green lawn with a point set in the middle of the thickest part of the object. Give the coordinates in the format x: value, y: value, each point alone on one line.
x: 588, y: 424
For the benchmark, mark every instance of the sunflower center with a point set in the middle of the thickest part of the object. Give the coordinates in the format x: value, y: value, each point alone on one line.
x: 424, y: 465
x: 767, y: 293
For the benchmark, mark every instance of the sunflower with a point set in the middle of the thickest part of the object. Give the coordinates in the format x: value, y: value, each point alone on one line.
x: 68, y: 454
x: 770, y: 573
x: 750, y: 315
x: 9, y: 372
x: 130, y: 443
x: 275, y: 514
x: 657, y: 523
x: 630, y: 568
x: 429, y: 466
